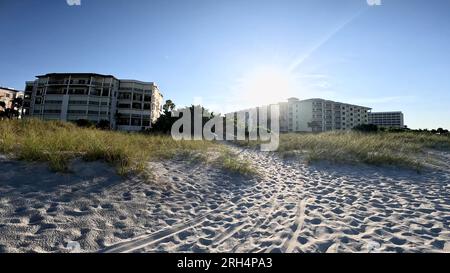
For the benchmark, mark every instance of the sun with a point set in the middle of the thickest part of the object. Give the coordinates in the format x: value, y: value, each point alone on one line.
x: 266, y: 85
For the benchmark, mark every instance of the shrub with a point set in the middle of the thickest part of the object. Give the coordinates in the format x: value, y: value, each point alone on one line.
x: 367, y: 128
x: 84, y: 123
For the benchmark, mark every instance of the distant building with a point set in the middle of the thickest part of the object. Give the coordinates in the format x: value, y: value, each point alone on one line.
x: 387, y: 119
x: 318, y: 115
x: 127, y: 105
x: 7, y: 95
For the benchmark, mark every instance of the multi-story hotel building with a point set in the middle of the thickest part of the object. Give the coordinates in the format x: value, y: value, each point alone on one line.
x: 319, y: 115
x: 127, y: 105
x: 387, y: 119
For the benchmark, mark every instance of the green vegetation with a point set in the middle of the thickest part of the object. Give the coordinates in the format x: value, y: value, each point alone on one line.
x: 230, y: 161
x: 59, y: 142
x: 381, y: 148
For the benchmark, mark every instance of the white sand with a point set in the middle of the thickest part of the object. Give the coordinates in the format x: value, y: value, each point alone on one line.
x: 293, y: 207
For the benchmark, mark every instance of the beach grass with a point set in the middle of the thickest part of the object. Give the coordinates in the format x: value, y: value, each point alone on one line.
x: 58, y: 143
x: 231, y: 162
x: 383, y: 148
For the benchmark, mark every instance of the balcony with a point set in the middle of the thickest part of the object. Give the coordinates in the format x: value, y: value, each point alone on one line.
x: 56, y: 82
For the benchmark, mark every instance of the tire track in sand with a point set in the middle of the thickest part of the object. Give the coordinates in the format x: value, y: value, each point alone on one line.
x: 290, y: 244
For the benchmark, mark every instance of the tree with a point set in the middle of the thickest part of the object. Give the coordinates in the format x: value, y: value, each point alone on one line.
x: 14, y: 110
x: 165, y: 121
x: 168, y: 106
x: 441, y: 131
x: 2, y: 110
x: 366, y: 128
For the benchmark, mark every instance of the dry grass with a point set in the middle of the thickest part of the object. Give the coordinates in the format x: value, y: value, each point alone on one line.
x: 231, y: 162
x: 59, y: 142
x: 384, y: 148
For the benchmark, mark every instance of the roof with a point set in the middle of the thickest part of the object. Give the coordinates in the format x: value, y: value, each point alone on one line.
x: 387, y: 112
x: 74, y: 74
x: 324, y: 100
x: 9, y: 89
x: 93, y: 75
x: 136, y: 81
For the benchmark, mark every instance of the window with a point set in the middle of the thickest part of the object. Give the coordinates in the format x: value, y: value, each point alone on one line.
x: 137, y: 97
x: 95, y: 92
x: 105, y: 92
x: 146, y: 121
x: 53, y: 102
x: 137, y: 105
x: 123, y: 119
x: 52, y: 111
x: 124, y: 105
x: 78, y: 102
x: 77, y: 91
x: 76, y: 112
x: 124, y: 96
x: 136, y: 120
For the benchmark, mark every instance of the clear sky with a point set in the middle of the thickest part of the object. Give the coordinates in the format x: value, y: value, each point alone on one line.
x: 232, y: 54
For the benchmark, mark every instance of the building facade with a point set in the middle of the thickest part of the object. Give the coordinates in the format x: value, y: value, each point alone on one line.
x: 7, y: 95
x: 127, y: 105
x: 319, y: 115
x: 387, y: 119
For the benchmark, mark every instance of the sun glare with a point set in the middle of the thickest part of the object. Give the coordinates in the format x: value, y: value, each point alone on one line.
x: 266, y: 85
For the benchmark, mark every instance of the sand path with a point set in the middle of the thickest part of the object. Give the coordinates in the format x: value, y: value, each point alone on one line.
x: 292, y: 207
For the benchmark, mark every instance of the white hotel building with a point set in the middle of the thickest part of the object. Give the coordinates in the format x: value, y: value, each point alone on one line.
x: 127, y: 105
x: 318, y: 115
x: 387, y: 119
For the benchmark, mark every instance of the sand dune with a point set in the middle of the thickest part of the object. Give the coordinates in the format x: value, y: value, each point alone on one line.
x: 292, y: 207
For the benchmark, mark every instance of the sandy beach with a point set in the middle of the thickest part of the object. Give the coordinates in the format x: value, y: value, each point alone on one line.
x: 186, y: 207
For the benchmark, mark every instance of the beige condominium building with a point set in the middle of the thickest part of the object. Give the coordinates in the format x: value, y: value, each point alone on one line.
x: 127, y: 105
x: 387, y: 119
x: 7, y: 95
x: 319, y: 115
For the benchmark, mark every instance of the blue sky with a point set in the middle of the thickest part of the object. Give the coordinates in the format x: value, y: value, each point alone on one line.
x: 234, y: 54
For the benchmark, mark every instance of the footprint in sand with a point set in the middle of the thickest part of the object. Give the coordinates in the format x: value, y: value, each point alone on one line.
x: 46, y: 226
x: 35, y: 219
x: 397, y: 241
